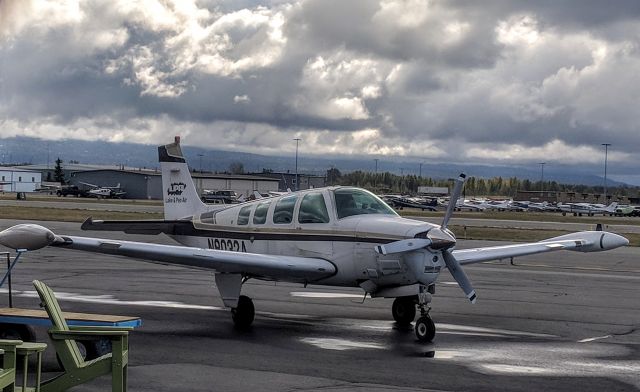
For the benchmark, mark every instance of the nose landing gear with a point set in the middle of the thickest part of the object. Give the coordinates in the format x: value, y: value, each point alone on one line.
x: 425, y: 328
x: 404, y: 311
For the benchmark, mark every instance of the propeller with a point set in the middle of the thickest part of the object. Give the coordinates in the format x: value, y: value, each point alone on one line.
x: 453, y: 200
x: 458, y: 274
x: 403, y: 246
x: 447, y: 241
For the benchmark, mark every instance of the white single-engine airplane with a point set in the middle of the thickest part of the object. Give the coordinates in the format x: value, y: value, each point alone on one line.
x: 105, y: 192
x: 337, y: 236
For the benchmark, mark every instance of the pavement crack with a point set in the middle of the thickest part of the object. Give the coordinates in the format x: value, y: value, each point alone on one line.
x: 633, y: 329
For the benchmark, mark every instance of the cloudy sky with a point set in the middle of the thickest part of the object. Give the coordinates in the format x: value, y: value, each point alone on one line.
x: 475, y: 81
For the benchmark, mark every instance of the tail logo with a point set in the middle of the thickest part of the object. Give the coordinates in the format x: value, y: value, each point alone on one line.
x: 176, y: 188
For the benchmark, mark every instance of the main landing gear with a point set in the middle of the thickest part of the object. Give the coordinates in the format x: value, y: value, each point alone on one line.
x: 244, y: 313
x: 404, y: 311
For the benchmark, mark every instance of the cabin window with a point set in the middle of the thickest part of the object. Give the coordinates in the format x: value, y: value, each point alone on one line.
x: 354, y: 201
x: 208, y: 217
x: 313, y: 209
x: 19, y: 179
x: 243, y: 216
x: 260, y: 216
x: 283, y: 212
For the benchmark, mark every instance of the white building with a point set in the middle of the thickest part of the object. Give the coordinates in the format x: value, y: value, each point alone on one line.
x: 13, y: 179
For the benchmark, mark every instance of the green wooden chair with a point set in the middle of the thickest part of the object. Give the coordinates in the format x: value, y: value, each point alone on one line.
x: 8, y: 371
x: 76, y: 369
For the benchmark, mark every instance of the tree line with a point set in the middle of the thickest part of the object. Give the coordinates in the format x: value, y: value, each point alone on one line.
x: 474, y: 186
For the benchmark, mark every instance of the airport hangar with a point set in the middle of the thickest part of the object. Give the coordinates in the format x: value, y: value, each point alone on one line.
x: 15, y: 179
x: 147, y: 184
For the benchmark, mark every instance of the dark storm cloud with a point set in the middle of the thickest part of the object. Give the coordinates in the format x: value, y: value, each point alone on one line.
x: 381, y: 77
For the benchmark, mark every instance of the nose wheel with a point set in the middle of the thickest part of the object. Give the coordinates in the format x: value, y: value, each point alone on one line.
x: 425, y: 329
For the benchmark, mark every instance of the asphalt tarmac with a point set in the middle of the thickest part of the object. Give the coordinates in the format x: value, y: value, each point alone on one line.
x: 556, y: 322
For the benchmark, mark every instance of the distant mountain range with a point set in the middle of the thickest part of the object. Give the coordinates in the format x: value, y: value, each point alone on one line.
x: 18, y: 150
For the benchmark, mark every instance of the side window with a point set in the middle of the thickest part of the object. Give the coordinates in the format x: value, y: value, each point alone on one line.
x: 209, y: 217
x: 243, y: 216
x: 283, y: 213
x: 260, y: 216
x: 313, y: 209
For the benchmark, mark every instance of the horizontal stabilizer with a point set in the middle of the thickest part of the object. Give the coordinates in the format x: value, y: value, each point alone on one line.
x: 151, y: 227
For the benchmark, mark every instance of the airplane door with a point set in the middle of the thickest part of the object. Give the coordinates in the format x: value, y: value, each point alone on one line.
x: 314, y: 227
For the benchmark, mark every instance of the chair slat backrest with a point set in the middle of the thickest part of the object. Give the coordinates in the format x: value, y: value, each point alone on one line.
x: 59, y: 322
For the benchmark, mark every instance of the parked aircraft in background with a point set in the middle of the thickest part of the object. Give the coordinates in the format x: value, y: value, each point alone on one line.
x: 579, y: 209
x: 336, y: 236
x: 104, y: 192
x: 398, y: 201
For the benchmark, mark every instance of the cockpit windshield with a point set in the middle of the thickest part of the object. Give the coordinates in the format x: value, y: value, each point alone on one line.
x: 354, y: 201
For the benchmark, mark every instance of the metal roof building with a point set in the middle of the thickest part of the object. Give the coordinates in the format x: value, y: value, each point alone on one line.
x: 147, y: 184
x: 15, y: 179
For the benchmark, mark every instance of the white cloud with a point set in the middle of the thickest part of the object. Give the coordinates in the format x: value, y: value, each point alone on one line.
x: 507, y: 82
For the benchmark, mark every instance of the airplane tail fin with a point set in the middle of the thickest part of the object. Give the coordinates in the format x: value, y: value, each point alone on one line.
x: 612, y: 207
x: 180, y: 196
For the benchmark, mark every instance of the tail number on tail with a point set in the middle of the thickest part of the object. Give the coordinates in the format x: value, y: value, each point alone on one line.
x: 230, y: 245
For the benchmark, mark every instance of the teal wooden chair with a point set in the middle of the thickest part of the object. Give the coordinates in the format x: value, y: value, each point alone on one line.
x: 8, y: 371
x: 76, y: 369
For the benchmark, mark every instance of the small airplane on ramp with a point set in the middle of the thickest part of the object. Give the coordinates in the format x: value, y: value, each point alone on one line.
x: 337, y: 236
x: 104, y: 192
x: 579, y: 209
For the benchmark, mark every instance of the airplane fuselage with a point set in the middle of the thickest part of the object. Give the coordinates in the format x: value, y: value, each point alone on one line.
x: 348, y: 242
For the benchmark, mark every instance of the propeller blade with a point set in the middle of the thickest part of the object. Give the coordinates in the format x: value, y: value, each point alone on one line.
x: 453, y: 200
x: 403, y: 246
x: 458, y: 274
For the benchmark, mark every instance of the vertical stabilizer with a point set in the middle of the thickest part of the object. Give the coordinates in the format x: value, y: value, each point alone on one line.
x: 180, y: 196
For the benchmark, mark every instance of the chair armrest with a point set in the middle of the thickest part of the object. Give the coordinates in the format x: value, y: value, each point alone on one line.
x: 7, y: 342
x: 87, y: 335
x: 98, y: 328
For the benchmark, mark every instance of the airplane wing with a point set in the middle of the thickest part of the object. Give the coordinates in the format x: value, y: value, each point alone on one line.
x: 289, y: 268
x: 585, y: 241
x: 29, y: 236
x: 89, y: 185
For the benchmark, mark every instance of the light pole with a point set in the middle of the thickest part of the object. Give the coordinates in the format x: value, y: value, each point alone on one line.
x: 375, y: 178
x: 420, y: 175
x: 606, y: 151
x: 542, y: 178
x: 297, y: 139
x: 200, y: 156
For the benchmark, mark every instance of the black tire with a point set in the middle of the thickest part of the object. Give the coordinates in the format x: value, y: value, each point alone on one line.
x: 404, y: 310
x: 425, y: 329
x: 244, y: 313
x: 96, y: 348
x: 17, y: 331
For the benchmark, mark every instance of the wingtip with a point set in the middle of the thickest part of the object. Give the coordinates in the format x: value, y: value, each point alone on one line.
x: 472, y: 297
